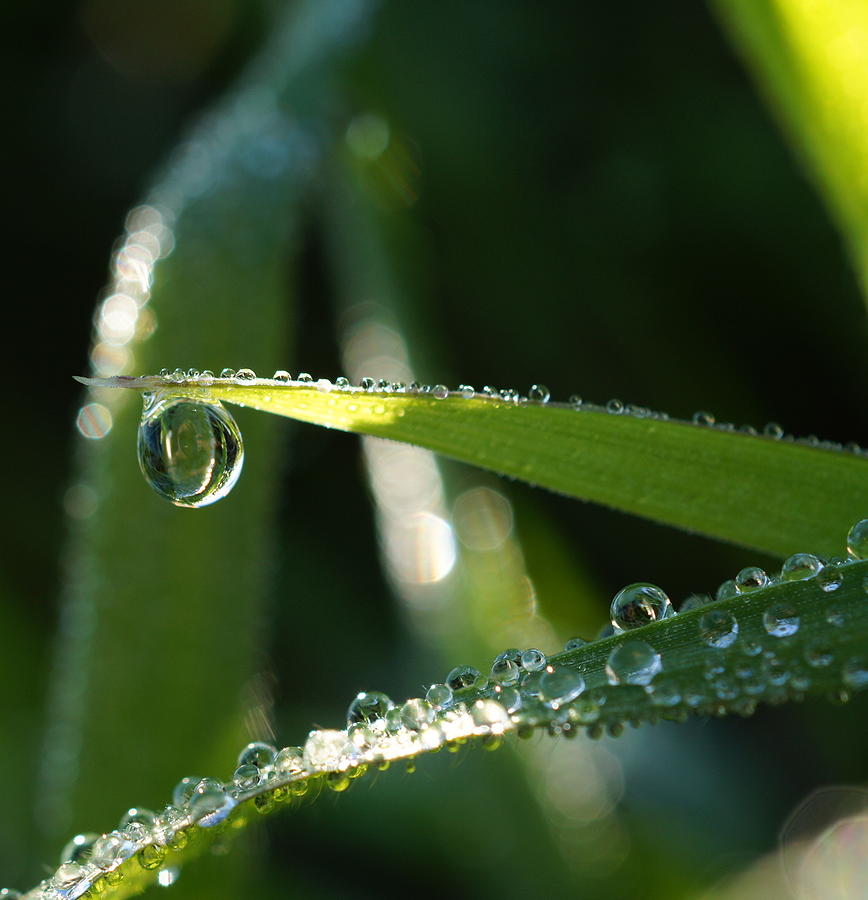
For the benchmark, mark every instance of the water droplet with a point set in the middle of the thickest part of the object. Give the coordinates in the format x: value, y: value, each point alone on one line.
x: 328, y: 749
x: 138, y: 815
x: 466, y: 391
x: 183, y: 790
x: 694, y: 601
x: 727, y: 590
x: 281, y: 375
x: 605, y: 631
x: 538, y: 393
x: 490, y: 713
x: 439, y: 696
x: 367, y: 384
x: 304, y: 378
x: 245, y: 375
x: 773, y: 430
x: 463, y: 678
x: 751, y: 648
x: 663, y: 693
x: 615, y: 407
x: 506, y: 667
x: 639, y: 604
x: 342, y: 382
x: 440, y: 391
x: 575, y: 401
x: 703, y: 418
x: 855, y: 672
x: 178, y: 376
x: 368, y: 706
x: 67, y: 876
x: 830, y: 579
x: 781, y: 620
x: 510, y: 698
x: 718, y: 628
x: 819, y: 653
x: 246, y: 777
x: 110, y: 849
x: 227, y: 373
x: 209, y: 803
x: 151, y: 856
x: 416, y: 714
x: 257, y: 754
x: 533, y: 660
x: 289, y: 761
x: 79, y: 848
x: 800, y: 566
x: 190, y: 452
x: 775, y: 671
x: 633, y: 662
x: 751, y: 579
x: 857, y: 540
x: 575, y: 643
x: 560, y: 687
x: 835, y: 616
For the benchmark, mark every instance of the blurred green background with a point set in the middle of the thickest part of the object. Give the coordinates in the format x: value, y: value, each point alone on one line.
x: 494, y: 193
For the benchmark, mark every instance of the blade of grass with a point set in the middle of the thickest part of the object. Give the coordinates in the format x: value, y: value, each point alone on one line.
x: 776, y: 496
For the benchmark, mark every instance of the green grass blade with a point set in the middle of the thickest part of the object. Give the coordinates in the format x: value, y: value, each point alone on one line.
x: 824, y: 653
x: 811, y: 59
x: 776, y: 496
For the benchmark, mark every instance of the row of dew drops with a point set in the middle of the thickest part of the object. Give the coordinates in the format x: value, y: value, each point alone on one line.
x: 524, y: 689
x: 191, y: 452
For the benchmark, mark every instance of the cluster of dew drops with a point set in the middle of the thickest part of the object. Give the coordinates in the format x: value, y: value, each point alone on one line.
x: 191, y: 451
x: 524, y: 690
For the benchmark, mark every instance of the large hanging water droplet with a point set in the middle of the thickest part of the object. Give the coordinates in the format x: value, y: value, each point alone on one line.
x: 639, y: 604
x: 190, y: 452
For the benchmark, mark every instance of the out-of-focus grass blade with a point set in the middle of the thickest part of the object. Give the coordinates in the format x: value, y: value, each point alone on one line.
x: 163, y: 608
x: 776, y: 496
x: 811, y: 58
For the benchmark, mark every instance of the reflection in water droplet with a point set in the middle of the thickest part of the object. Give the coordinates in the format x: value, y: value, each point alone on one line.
x: 439, y: 696
x: 533, y: 660
x: 718, y: 628
x: 368, y: 706
x: 560, y: 687
x: 781, y: 620
x: 750, y: 579
x: 830, y: 579
x: 281, y: 375
x: 857, y: 540
x: 639, y: 604
x: 258, y: 754
x: 190, y: 452
x: 538, y: 393
x: 800, y: 566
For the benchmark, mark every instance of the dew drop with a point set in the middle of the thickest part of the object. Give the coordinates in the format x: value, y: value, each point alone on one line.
x: 210, y: 804
x: 245, y: 375
x: 227, y: 373
x: 289, y: 761
x: 506, y: 668
x: 538, y: 393
x: 328, y: 749
x: 183, y: 790
x: 206, y: 378
x: 857, y: 540
x: 800, y: 566
x: 694, y: 601
x: 718, y: 628
x: 79, y: 848
x: 67, y: 876
x: 342, y: 382
x: 575, y: 643
x: 773, y: 430
x: 463, y: 677
x: 110, y: 849
x: 533, y: 660
x: 560, y: 687
x: 819, y: 654
x: 633, y: 662
x: 304, y: 378
x: 615, y: 407
x: 751, y: 579
x: 491, y: 714
x: 151, y: 856
x: 416, y: 714
x: 466, y: 391
x: 368, y: 706
x: 663, y: 693
x: 281, y: 375
x: 439, y: 696
x: 781, y: 620
x: 510, y: 698
x: 727, y: 590
x: 575, y: 401
x: 855, y: 672
x: 830, y: 579
x: 440, y: 391
x: 190, y: 452
x: 246, y: 777
x: 257, y: 754
x: 639, y: 604
x: 138, y: 815
x: 703, y: 418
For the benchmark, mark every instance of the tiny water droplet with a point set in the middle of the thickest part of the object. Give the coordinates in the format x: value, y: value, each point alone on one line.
x: 639, y: 604
x: 227, y: 373
x: 506, y: 668
x: 440, y: 391
x: 533, y: 660
x: 727, y: 590
x: 190, y: 452
x: 258, y: 754
x: 800, y: 566
x: 819, y: 654
x: 575, y: 643
x: 368, y: 706
x: 183, y: 790
x: 439, y: 696
x: 109, y: 849
x: 830, y: 579
x: 466, y: 391
x: 463, y: 677
x: 289, y: 761
x: 718, y: 628
x: 304, y: 378
x: 633, y: 662
x: 694, y: 601
x: 138, y: 815
x: 663, y: 693
x: 281, y: 375
x: 206, y: 378
x: 193, y: 374
x: 615, y: 407
x: 367, y: 384
x: 751, y: 579
x: 575, y: 401
x: 703, y: 418
x: 179, y: 376
x: 246, y: 777
x: 416, y: 714
x: 857, y: 540
x: 151, y: 856
x: 489, y: 713
x: 245, y: 375
x: 79, y: 848
x: 781, y: 620
x: 855, y: 672
x: 560, y: 687
x: 538, y: 393
x: 342, y: 382
x: 773, y: 430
